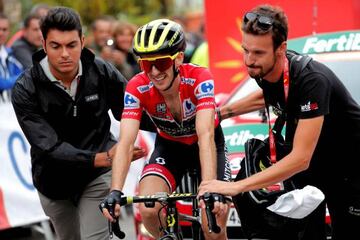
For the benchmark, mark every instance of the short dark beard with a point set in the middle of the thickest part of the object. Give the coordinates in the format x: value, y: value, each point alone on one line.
x: 261, y: 75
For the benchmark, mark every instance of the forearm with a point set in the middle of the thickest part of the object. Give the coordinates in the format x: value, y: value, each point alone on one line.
x: 47, y: 144
x: 207, y: 150
x: 120, y: 166
x: 305, y: 140
x: 282, y: 170
x: 252, y: 102
x: 69, y: 156
x: 124, y: 151
x: 208, y: 159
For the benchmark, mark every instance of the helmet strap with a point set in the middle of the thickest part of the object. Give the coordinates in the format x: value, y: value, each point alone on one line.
x: 176, y: 72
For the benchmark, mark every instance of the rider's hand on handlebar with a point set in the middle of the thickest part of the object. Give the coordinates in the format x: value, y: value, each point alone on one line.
x: 214, y: 206
x: 110, y: 206
x: 220, y: 205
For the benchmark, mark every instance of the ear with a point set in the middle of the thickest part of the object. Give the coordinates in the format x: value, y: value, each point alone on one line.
x: 179, y: 59
x: 281, y: 51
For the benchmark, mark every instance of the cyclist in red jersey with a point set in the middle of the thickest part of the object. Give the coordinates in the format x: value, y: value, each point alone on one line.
x: 179, y: 98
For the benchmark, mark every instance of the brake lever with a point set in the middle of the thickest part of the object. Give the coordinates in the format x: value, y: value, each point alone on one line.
x: 209, y: 206
x: 114, y: 227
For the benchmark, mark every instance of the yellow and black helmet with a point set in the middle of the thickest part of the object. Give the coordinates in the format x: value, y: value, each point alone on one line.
x: 160, y: 36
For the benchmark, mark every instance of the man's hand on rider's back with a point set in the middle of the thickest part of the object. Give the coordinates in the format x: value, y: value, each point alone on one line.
x: 138, y: 153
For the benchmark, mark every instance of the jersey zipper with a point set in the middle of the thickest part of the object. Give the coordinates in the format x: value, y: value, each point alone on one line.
x: 75, y: 111
x: 72, y: 101
x: 181, y: 124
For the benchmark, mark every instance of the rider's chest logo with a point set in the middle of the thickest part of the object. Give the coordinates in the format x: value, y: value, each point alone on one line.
x: 189, y: 107
x: 161, y: 108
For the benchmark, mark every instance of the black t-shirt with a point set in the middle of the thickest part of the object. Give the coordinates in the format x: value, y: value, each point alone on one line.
x: 317, y: 91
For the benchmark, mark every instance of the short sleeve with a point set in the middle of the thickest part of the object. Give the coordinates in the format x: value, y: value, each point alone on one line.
x: 314, y: 96
x: 204, y: 90
x: 132, y: 100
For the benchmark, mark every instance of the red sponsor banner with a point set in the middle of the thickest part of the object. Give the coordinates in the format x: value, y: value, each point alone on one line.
x: 223, y: 24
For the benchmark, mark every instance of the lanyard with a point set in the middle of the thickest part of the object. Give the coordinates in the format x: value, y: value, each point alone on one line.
x: 286, y: 92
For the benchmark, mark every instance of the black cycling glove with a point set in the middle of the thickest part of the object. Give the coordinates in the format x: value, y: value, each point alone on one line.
x: 110, y: 201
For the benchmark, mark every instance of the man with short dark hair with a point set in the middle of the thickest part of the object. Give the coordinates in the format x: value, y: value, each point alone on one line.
x: 62, y: 105
x: 322, y: 125
x: 30, y: 42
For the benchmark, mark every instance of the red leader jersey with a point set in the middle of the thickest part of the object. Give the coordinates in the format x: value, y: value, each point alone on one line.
x: 196, y: 92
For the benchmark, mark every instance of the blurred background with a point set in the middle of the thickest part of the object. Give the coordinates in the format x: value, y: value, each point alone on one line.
x: 135, y: 11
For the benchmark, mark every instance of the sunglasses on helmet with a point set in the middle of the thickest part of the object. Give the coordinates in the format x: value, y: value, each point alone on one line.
x: 263, y: 22
x: 161, y: 63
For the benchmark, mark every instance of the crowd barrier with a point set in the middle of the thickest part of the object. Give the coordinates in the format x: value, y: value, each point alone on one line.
x: 19, y: 201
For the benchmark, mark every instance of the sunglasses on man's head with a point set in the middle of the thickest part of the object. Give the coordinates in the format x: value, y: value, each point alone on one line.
x: 161, y: 63
x: 263, y: 22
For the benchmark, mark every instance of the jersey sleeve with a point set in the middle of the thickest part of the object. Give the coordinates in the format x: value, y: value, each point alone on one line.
x: 204, y: 90
x: 132, y: 100
x: 314, y: 96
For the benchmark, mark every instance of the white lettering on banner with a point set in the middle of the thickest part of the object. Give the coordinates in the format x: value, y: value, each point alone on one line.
x: 21, y: 201
x: 343, y: 43
x: 239, y: 138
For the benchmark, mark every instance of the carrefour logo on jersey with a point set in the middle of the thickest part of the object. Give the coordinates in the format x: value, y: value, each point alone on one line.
x: 130, y: 101
x: 205, y: 89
